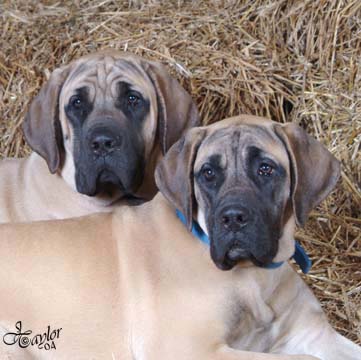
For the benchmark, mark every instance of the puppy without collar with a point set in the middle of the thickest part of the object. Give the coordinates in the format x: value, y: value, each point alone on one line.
x: 98, y: 128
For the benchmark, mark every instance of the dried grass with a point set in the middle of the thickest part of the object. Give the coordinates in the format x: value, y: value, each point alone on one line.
x: 288, y: 60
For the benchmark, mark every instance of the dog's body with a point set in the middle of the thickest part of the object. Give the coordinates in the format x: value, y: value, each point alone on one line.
x: 136, y: 284
x: 100, y: 124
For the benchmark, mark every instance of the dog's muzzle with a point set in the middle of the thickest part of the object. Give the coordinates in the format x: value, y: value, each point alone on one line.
x: 231, y: 222
x: 238, y: 235
x: 108, y: 160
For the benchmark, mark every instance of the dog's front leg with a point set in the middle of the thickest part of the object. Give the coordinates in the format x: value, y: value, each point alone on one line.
x: 332, y: 346
x: 301, y: 326
x: 204, y: 350
x: 227, y: 353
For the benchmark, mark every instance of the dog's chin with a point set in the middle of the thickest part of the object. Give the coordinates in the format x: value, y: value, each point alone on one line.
x: 233, y: 257
x: 236, y: 254
x: 226, y: 265
x: 108, y: 183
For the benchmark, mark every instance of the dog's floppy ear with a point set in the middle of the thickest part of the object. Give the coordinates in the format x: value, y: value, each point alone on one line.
x: 314, y: 170
x: 176, y: 110
x: 174, y: 173
x: 41, y: 126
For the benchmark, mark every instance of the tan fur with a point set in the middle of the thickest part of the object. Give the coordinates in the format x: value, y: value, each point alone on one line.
x: 29, y: 192
x: 132, y: 285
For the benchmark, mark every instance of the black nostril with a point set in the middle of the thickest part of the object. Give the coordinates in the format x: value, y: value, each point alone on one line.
x: 234, y: 219
x: 103, y: 144
x: 95, y: 145
x: 239, y: 219
x: 108, y: 144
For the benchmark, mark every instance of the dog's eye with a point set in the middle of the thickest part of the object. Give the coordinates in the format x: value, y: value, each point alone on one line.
x: 208, y: 173
x: 76, y: 101
x: 265, y: 169
x: 133, y: 100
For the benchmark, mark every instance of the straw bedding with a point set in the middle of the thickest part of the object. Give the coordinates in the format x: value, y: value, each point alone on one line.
x: 288, y: 60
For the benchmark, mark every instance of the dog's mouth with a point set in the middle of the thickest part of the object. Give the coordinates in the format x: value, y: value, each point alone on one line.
x: 107, y: 177
x: 236, y: 253
x: 108, y: 183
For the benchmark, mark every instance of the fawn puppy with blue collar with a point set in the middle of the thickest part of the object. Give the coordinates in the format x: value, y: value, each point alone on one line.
x: 138, y: 284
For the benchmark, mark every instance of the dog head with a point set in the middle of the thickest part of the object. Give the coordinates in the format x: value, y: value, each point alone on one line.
x: 103, y: 120
x: 248, y: 181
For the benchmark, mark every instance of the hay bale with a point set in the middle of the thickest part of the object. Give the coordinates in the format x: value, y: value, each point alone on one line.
x: 288, y: 60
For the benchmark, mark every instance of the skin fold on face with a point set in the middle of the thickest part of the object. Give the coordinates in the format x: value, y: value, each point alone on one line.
x: 107, y: 119
x: 242, y: 190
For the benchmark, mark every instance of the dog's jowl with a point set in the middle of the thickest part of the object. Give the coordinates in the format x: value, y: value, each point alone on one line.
x: 100, y: 125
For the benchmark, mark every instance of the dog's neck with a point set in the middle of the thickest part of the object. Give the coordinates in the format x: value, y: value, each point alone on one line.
x: 57, y: 190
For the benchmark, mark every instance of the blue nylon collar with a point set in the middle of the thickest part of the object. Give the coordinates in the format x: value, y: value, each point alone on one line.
x: 300, y: 255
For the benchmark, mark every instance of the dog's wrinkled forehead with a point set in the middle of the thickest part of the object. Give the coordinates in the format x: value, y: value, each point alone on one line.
x: 230, y: 146
x: 101, y: 75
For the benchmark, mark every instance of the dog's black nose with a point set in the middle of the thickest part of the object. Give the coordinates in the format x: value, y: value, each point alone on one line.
x: 234, y: 219
x: 102, y: 144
